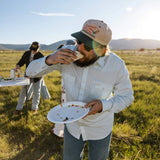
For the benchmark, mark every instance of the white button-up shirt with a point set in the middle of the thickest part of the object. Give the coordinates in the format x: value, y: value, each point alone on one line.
x: 107, y: 79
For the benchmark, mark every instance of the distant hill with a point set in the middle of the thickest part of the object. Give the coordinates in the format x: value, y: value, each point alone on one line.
x: 52, y: 46
x: 114, y: 44
x: 2, y: 47
x: 134, y: 44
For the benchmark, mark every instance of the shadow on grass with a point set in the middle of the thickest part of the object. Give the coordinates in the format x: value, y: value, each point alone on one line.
x: 31, y: 143
x: 32, y: 140
x: 42, y: 148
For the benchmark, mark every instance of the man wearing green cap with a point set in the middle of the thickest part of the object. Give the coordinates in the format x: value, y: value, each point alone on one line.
x: 99, y: 78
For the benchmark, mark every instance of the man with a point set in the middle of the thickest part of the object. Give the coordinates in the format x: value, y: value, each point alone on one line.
x: 30, y: 55
x: 99, y: 78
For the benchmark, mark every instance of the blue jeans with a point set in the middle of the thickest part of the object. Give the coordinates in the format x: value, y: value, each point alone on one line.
x: 73, y: 148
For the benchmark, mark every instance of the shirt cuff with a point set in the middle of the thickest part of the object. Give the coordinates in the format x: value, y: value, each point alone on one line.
x: 107, y: 104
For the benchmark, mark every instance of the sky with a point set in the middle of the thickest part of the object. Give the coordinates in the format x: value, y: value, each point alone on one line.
x: 49, y: 21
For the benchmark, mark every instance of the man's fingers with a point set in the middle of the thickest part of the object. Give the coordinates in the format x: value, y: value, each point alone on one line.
x: 90, y: 104
x: 68, y: 53
x: 95, y: 107
x: 64, y: 59
x: 93, y: 110
x: 63, y: 56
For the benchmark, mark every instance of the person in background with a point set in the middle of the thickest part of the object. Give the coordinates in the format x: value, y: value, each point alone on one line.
x: 100, y: 79
x: 30, y: 55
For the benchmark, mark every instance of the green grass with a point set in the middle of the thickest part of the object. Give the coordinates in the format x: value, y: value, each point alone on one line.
x: 136, y: 132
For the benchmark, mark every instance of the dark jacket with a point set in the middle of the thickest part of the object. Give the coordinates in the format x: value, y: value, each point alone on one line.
x: 25, y: 59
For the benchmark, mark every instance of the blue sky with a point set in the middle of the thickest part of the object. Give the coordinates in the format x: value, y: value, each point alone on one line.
x: 48, y: 21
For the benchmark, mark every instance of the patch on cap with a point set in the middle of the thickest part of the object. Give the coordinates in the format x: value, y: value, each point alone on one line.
x: 91, y: 30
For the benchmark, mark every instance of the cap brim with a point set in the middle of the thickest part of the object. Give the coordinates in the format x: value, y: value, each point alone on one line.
x: 83, y: 38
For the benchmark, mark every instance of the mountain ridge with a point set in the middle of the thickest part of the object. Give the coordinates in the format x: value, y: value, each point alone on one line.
x: 115, y: 44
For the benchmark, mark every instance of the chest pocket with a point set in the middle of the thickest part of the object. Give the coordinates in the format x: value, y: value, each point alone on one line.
x: 69, y: 83
x: 101, y: 89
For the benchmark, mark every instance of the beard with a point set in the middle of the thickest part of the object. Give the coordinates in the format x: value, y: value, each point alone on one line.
x: 86, y: 62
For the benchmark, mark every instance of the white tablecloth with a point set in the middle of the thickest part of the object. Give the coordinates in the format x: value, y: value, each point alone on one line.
x: 16, y: 82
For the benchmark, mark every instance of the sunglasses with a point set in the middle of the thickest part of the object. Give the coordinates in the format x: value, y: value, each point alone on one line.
x: 87, y: 48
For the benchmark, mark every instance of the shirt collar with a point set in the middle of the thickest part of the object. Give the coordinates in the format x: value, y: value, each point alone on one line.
x: 101, y: 61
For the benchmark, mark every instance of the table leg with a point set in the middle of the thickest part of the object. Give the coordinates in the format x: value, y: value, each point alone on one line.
x: 26, y: 103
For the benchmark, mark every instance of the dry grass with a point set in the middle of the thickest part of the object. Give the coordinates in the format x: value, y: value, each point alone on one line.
x: 136, y: 132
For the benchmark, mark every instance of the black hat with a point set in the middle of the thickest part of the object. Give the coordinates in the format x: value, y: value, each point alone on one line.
x: 34, y: 46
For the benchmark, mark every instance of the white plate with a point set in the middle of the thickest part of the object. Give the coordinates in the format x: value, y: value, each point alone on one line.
x: 67, y: 112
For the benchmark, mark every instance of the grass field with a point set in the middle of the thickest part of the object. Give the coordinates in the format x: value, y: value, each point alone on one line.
x: 136, y: 132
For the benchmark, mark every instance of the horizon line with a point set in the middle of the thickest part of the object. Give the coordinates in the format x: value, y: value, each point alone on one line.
x: 73, y: 39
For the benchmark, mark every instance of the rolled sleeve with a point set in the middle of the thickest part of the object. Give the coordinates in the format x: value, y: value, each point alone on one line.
x: 123, y: 93
x: 39, y: 68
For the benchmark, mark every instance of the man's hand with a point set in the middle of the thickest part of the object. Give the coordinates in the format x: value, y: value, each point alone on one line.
x: 16, y: 68
x: 95, y: 107
x: 63, y: 56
